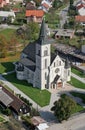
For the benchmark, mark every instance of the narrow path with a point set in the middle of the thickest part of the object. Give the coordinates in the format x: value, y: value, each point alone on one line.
x: 77, y: 77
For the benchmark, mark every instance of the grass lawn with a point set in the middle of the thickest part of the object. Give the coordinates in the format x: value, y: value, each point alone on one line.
x: 80, y: 95
x: 76, y: 83
x: 1, y: 119
x: 10, y: 58
x: 78, y: 108
x: 40, y: 97
x: 77, y: 72
x: 8, y: 33
x: 6, y: 67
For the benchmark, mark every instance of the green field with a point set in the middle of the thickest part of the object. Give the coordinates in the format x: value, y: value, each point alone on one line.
x: 8, y: 33
x: 76, y: 83
x: 40, y: 97
x: 77, y: 72
x: 78, y: 108
x: 1, y: 119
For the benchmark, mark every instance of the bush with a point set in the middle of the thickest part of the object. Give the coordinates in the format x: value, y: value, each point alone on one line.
x: 6, y: 111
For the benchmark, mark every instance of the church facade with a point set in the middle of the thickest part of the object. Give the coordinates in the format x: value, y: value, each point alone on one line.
x: 40, y: 67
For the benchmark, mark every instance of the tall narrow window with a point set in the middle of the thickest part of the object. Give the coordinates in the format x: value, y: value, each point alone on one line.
x: 45, y: 63
x: 59, y: 62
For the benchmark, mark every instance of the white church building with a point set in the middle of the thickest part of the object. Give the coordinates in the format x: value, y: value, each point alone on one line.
x: 40, y: 67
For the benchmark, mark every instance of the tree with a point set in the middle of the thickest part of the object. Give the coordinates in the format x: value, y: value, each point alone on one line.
x: 71, y: 3
x: 63, y: 107
x: 57, y: 4
x: 29, y: 32
x: 3, y: 46
x: 32, y: 31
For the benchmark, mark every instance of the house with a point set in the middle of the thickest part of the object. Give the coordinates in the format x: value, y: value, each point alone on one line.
x: 6, y: 14
x: 39, y: 123
x: 34, y: 15
x: 81, y: 7
x: 80, y: 19
x: 3, y: 3
x: 11, y: 101
x: 45, y: 5
x: 40, y: 67
x: 31, y: 5
x: 65, y: 33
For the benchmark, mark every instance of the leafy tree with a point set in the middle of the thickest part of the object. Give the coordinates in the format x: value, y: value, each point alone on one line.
x: 71, y: 3
x: 29, y: 32
x: 32, y: 31
x: 57, y: 4
x: 3, y: 46
x: 63, y: 107
x: 7, y: 111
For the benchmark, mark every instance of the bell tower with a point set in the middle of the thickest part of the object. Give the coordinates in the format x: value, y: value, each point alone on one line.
x: 42, y: 58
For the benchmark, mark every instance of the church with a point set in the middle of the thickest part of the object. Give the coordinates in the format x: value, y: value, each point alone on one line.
x: 40, y: 67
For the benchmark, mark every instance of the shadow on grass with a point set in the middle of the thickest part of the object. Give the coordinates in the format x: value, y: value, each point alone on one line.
x: 6, y: 67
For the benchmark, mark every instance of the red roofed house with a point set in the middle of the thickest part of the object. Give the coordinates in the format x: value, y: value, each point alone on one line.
x: 80, y: 19
x: 9, y: 100
x: 34, y: 15
x: 3, y: 2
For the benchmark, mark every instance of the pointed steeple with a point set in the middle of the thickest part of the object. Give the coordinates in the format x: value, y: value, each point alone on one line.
x: 43, y: 34
x: 42, y: 30
x: 43, y: 37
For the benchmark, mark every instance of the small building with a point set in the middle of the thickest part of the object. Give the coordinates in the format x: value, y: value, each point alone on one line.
x: 6, y: 14
x: 64, y: 33
x: 34, y: 15
x: 11, y: 101
x: 45, y: 5
x: 3, y: 3
x: 81, y: 7
x: 40, y: 67
x: 80, y: 19
x: 31, y: 5
x: 39, y: 123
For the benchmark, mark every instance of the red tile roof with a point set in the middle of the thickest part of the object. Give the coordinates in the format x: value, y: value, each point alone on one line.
x: 1, y: 1
x: 37, y: 13
x: 80, y: 6
x: 79, y: 18
x: 17, y: 103
x: 45, y: 5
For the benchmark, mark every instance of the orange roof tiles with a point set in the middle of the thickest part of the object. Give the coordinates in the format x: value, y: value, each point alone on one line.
x: 80, y: 6
x: 37, y: 13
x: 45, y: 5
x: 79, y: 18
x: 1, y: 1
